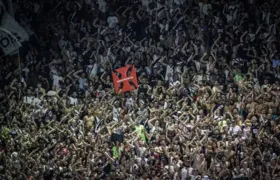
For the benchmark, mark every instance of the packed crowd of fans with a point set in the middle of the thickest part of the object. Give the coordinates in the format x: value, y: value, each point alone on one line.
x: 207, y: 105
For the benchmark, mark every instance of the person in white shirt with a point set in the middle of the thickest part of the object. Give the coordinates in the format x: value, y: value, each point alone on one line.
x: 116, y: 111
x: 184, y: 173
x: 36, y: 100
x: 56, y: 78
x: 205, y: 8
x: 236, y: 129
x: 102, y: 6
x: 73, y: 99
x: 28, y: 99
x: 112, y: 21
x: 129, y: 102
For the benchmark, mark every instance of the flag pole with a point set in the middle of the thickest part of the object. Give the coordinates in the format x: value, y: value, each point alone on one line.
x: 156, y: 10
x: 19, y: 65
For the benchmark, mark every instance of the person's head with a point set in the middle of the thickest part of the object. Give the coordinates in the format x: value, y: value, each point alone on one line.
x: 146, y: 43
x: 100, y: 87
x: 254, y: 119
x: 191, y: 49
x: 117, y: 103
x: 39, y: 85
x: 266, y: 82
x: 159, y: 82
x: 141, y: 104
x: 29, y: 92
x: 157, y: 123
x: 108, y: 79
x: 83, y: 75
x: 162, y: 142
x: 216, y: 83
x: 19, y: 85
x: 206, y: 95
x: 231, y: 12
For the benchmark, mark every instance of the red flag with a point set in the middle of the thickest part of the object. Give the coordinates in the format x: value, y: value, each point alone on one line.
x: 125, y: 79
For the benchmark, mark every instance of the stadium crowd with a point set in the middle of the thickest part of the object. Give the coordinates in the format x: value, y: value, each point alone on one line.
x: 207, y: 105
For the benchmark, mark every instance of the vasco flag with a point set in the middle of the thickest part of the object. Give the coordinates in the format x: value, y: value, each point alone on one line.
x: 11, y: 34
x: 125, y: 79
x: 17, y: 30
x: 8, y: 42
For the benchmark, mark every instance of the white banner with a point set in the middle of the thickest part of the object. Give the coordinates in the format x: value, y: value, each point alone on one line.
x: 11, y: 25
x: 11, y: 35
x: 8, y: 42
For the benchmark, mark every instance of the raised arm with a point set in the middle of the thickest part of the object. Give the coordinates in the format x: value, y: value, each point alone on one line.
x: 76, y: 74
x: 242, y: 37
x: 102, y: 77
x: 195, y: 48
x: 124, y: 13
x: 138, y: 14
x: 215, y: 43
x: 12, y: 85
